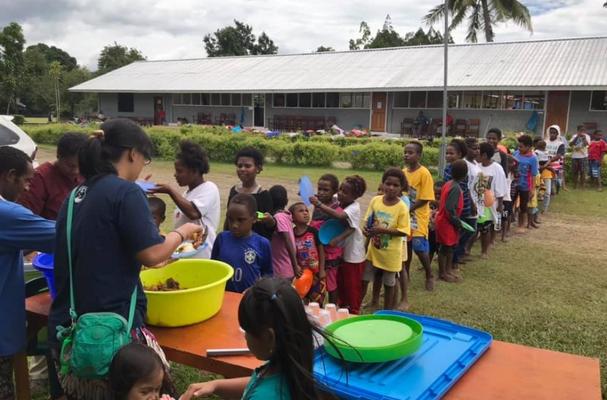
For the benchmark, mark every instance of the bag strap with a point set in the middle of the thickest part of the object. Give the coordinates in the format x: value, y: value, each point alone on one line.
x: 69, y: 223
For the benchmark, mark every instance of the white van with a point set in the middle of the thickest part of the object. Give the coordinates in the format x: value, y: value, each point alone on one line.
x: 12, y: 135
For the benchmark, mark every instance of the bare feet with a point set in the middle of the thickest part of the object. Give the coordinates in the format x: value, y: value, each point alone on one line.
x: 403, y: 306
x: 484, y: 256
x: 520, y: 231
x: 448, y: 278
x: 430, y: 284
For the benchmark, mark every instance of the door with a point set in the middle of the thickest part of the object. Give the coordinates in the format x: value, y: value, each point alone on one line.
x: 259, y: 111
x: 557, y: 110
x: 378, y: 112
x: 159, y: 113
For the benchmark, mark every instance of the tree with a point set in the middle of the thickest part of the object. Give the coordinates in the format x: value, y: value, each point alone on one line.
x: 53, y: 53
x: 420, y: 38
x: 322, y: 49
x: 482, y: 16
x: 115, y: 56
x: 364, y: 40
x: 238, y: 40
x: 55, y: 71
x: 11, y: 62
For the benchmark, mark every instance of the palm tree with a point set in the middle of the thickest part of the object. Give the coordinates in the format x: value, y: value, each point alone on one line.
x: 482, y: 15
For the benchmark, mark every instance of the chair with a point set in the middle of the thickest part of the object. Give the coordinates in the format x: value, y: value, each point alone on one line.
x: 460, y: 127
x: 406, y: 127
x: 474, y: 127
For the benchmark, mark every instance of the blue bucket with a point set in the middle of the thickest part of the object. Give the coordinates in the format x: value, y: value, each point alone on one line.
x: 45, y: 263
x: 329, y: 230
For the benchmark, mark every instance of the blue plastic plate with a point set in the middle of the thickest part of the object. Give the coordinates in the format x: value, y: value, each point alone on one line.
x: 330, y: 229
x: 146, y: 186
x: 306, y: 190
x: 188, y: 254
x: 447, y: 352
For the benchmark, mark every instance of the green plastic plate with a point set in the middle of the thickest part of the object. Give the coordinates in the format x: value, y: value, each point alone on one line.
x: 467, y: 227
x: 373, y: 338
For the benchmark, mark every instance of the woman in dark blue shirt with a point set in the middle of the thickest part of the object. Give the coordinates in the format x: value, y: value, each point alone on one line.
x: 113, y: 234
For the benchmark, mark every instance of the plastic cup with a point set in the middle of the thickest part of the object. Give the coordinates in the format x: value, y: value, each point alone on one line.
x: 324, y: 317
x: 343, y: 313
x: 332, y: 309
x: 314, y: 308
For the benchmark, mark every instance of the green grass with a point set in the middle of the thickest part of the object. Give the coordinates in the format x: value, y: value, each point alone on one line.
x: 36, y: 120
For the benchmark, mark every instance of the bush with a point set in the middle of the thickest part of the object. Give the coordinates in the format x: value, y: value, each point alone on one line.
x: 569, y: 170
x: 18, y: 119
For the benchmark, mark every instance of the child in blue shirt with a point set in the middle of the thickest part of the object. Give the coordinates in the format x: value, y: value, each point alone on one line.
x: 528, y: 168
x: 244, y: 250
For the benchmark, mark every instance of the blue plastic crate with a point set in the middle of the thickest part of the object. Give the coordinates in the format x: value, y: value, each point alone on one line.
x: 447, y: 352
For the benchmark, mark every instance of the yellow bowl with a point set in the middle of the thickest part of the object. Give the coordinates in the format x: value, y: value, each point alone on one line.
x: 205, y: 283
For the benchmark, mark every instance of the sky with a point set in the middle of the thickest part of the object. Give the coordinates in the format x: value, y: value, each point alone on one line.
x: 163, y: 29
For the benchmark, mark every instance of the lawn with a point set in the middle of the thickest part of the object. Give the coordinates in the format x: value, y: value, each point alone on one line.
x: 545, y: 289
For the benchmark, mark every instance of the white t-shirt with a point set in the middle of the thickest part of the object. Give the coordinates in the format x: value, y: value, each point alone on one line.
x: 205, y: 197
x: 580, y: 146
x: 354, y: 244
x: 491, y: 177
x: 473, y: 172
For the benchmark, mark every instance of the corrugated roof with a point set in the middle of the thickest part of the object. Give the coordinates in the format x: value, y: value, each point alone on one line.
x: 574, y: 63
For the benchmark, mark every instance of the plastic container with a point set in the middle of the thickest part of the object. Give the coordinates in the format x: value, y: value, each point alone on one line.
x: 306, y: 190
x: 330, y: 230
x: 146, y: 186
x: 45, y: 263
x: 314, y: 308
x: 343, y: 313
x: 332, y: 309
x: 204, y: 282
x: 303, y: 284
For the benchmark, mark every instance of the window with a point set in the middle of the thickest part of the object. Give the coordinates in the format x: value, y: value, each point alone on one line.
x: 7, y: 136
x: 598, y: 100
x: 205, y: 99
x: 176, y: 98
x: 291, y: 99
x: 360, y: 100
x: 401, y: 99
x: 196, y: 99
x: 247, y: 99
x: 345, y: 100
x: 305, y: 100
x: 418, y: 100
x: 333, y: 100
x: 513, y: 101
x: 186, y: 98
x: 492, y: 100
x: 533, y: 101
x: 215, y: 99
x: 472, y: 100
x: 318, y: 100
x: 435, y: 99
x: 126, y: 102
x: 236, y: 101
x: 454, y: 99
x: 225, y: 99
x: 279, y: 100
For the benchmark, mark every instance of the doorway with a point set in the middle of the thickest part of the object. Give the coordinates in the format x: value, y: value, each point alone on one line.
x: 159, y: 113
x: 259, y: 110
x: 557, y: 110
x: 378, y: 112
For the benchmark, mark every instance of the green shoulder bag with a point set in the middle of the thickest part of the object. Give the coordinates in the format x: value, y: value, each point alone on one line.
x: 89, y: 344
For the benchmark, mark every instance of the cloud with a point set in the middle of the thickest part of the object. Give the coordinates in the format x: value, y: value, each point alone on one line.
x: 164, y: 29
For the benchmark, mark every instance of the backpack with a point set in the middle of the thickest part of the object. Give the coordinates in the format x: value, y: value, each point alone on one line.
x: 89, y: 344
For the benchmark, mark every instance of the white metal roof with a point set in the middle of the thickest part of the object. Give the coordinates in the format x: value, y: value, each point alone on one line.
x: 574, y: 63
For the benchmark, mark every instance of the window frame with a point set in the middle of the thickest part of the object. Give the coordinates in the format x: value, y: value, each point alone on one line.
x: 120, y: 102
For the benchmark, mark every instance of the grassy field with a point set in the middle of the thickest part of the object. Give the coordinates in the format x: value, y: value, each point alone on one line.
x: 545, y: 289
x: 36, y: 120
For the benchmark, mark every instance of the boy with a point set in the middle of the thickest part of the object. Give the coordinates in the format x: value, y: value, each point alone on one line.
x: 158, y: 209
x: 579, y: 156
x: 421, y: 193
x: 596, y: 151
x: 555, y: 147
x: 546, y: 175
x: 528, y: 170
x: 244, y: 250
x: 494, y: 136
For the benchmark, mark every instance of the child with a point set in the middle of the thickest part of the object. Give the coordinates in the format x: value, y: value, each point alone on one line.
x: 432, y: 225
x: 247, y: 252
x: 284, y: 258
x: 546, y: 175
x: 511, y: 193
x: 310, y: 252
x: 137, y: 372
x: 596, y: 151
x: 387, y: 222
x: 421, y: 193
x: 472, y: 157
x: 158, y: 209
x: 448, y: 222
x: 579, y: 156
x: 555, y: 147
x: 277, y: 332
x: 350, y: 272
x: 327, y: 189
x: 527, y: 169
x: 249, y: 164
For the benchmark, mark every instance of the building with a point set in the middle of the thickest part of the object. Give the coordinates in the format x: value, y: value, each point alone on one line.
x: 509, y: 85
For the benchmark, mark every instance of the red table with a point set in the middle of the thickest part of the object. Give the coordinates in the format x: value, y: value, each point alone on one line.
x: 505, y: 371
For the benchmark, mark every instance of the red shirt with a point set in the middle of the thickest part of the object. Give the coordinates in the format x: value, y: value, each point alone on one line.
x: 451, y: 204
x: 48, y: 189
x: 596, y: 150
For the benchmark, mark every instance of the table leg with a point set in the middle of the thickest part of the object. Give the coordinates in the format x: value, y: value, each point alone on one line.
x: 22, y: 382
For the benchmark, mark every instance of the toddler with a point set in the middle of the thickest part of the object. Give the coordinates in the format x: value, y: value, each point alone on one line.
x: 158, y: 209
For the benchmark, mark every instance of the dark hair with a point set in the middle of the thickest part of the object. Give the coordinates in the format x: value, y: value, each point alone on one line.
x: 418, y: 144
x: 526, y: 140
x: 540, y: 143
x: 487, y: 149
x: 296, y: 204
x: 460, y: 146
x: 157, y: 205
x: 131, y: 364
x: 497, y: 132
x: 12, y: 158
x: 250, y: 152
x: 598, y: 131
x: 581, y: 128
x: 396, y: 173
x: 459, y: 170
x: 246, y: 200
x: 101, y: 150
x: 278, y: 193
x: 359, y: 186
x: 332, y: 179
x: 70, y: 143
x: 273, y: 304
x: 193, y: 156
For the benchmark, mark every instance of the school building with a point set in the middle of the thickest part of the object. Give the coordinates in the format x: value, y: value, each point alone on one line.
x: 515, y: 86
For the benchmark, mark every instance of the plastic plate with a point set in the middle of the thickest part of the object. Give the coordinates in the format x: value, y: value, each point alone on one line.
x: 467, y: 227
x: 146, y: 186
x: 306, y: 190
x: 330, y: 230
x: 374, y: 338
x: 188, y: 254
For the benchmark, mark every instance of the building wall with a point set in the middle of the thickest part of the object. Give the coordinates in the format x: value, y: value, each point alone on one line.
x: 191, y: 113
x: 579, y: 112
x: 144, y: 105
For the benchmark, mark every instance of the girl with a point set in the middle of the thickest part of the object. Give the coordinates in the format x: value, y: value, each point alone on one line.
x: 350, y: 272
x: 310, y: 251
x: 249, y: 164
x: 113, y: 235
x: 200, y: 202
x: 327, y: 188
x: 387, y: 222
x: 284, y: 258
x: 137, y: 373
x: 277, y: 331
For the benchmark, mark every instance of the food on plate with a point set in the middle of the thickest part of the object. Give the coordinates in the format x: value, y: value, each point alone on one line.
x: 185, y: 248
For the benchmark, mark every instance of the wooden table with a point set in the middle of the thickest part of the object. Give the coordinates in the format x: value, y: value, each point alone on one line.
x: 505, y: 371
